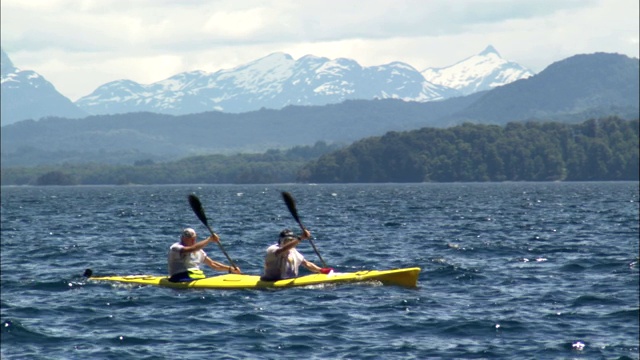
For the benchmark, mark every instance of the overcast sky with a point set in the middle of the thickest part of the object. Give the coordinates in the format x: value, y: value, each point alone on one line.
x: 82, y: 44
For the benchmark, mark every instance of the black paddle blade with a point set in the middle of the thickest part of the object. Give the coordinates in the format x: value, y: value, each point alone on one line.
x: 197, y: 208
x: 291, y: 205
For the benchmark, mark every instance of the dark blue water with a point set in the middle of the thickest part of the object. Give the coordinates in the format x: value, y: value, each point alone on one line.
x: 509, y: 271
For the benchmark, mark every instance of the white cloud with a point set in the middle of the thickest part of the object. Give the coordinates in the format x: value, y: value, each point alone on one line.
x: 79, y: 45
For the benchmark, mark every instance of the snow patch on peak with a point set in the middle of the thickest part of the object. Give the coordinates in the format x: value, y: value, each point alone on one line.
x: 274, y: 68
x: 334, y: 67
x: 399, y: 65
x: 478, y: 73
x: 274, y: 60
x: 310, y: 57
x: 278, y: 55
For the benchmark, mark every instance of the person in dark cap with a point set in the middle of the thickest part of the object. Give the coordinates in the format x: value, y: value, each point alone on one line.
x: 186, y: 256
x: 283, y: 260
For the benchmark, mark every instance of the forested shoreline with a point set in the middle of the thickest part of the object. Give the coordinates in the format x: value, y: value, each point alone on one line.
x: 273, y: 166
x: 595, y: 150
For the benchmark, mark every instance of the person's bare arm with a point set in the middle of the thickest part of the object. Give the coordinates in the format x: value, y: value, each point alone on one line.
x: 215, y: 265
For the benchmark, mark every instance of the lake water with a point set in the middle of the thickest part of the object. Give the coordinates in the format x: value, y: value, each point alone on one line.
x: 509, y: 271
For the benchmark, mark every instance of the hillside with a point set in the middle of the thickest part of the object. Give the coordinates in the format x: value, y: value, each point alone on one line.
x: 604, y: 149
x: 126, y: 138
x: 596, y: 150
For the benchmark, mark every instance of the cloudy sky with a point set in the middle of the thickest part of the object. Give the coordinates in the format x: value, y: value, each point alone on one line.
x: 79, y: 45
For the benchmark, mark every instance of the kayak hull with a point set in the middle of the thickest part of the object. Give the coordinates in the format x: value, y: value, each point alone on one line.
x: 407, y: 277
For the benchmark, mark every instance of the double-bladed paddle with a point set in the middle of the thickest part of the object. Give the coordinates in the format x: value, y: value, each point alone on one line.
x: 291, y: 205
x: 197, y: 208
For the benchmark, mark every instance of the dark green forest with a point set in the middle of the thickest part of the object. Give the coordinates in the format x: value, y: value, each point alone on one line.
x: 595, y: 150
x: 602, y: 150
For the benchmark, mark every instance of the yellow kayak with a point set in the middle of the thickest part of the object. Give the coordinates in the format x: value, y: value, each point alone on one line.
x: 407, y: 277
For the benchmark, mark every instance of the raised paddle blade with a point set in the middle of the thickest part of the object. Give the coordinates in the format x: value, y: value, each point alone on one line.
x: 291, y: 205
x: 197, y: 208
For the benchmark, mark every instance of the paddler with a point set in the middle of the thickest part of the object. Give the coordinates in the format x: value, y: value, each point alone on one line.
x: 283, y: 260
x: 186, y: 256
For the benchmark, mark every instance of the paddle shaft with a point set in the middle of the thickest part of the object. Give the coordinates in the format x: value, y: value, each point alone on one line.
x: 197, y: 208
x: 291, y: 205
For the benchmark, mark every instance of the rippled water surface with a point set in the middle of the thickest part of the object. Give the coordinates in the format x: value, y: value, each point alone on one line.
x: 513, y: 270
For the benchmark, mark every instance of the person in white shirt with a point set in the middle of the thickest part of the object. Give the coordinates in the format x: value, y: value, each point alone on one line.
x: 283, y: 260
x: 186, y: 256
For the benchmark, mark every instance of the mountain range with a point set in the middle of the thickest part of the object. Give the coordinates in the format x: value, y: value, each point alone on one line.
x: 575, y: 89
x: 272, y: 82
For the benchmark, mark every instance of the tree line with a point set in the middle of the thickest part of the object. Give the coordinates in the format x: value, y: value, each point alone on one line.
x: 595, y: 150
x: 273, y: 166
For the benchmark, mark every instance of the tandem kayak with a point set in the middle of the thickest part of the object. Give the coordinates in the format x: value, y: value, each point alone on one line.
x: 407, y: 277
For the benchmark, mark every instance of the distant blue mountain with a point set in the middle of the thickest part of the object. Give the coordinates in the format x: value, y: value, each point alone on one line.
x: 27, y: 95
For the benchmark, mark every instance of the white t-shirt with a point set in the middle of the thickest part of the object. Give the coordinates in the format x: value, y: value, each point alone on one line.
x: 283, y: 266
x: 181, y: 262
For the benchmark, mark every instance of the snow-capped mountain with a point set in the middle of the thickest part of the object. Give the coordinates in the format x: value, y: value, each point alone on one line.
x: 273, y: 82
x: 484, y: 71
x: 28, y: 95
